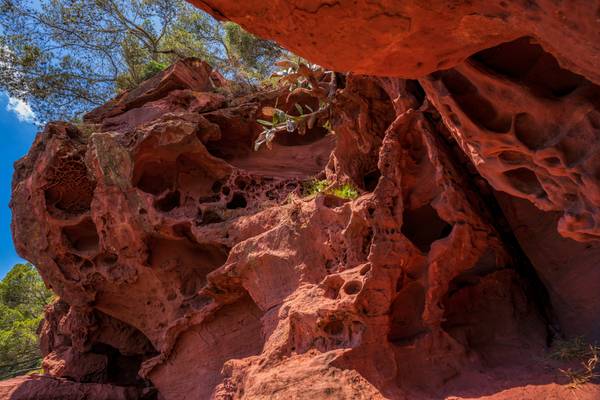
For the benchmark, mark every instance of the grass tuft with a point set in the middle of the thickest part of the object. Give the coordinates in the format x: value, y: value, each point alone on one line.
x: 578, y: 349
x: 345, y: 191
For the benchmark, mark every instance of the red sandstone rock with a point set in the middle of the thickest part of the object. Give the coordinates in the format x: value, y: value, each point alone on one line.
x: 531, y: 130
x: 413, y: 38
x: 516, y: 85
x: 185, y: 260
x: 36, y: 387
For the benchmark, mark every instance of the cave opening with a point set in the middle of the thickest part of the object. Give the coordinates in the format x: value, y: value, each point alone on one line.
x: 168, y: 202
x: 479, y: 109
x: 535, y: 288
x: 423, y: 226
x: 526, y: 62
x: 371, y: 179
x: 238, y: 200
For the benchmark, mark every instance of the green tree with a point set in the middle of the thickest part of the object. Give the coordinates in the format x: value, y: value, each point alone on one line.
x: 23, y: 297
x: 66, y: 56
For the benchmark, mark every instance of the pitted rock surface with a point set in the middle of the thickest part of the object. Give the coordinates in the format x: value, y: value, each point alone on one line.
x: 413, y: 38
x: 190, y: 266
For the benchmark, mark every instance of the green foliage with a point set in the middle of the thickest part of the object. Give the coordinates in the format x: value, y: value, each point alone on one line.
x: 152, y: 68
x: 253, y: 57
x: 345, y: 191
x: 23, y: 289
x: 316, y: 186
x: 23, y: 297
x: 305, y: 78
x: 65, y: 56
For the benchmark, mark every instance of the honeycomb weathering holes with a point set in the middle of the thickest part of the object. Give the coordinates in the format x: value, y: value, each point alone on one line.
x: 68, y: 188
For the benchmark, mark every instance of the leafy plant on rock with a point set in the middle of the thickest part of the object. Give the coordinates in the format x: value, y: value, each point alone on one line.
x: 299, y: 77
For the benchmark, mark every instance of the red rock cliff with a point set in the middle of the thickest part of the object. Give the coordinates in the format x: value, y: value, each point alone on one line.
x: 191, y: 267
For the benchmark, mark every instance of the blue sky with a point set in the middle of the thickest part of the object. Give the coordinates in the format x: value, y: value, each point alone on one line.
x: 16, y: 135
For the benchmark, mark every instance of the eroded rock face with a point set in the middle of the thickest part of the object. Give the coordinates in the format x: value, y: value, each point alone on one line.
x: 38, y: 387
x: 516, y: 83
x: 191, y: 267
x: 531, y: 129
x: 413, y: 38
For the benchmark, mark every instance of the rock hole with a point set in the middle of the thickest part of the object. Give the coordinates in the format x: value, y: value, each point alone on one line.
x: 271, y: 195
x: 574, y: 146
x: 237, y: 201
x: 484, y: 266
x: 124, y: 359
x: 184, y: 230
x: 185, y: 262
x: 423, y: 226
x: 525, y: 181
x: 83, y: 236
x: 475, y: 106
x: 529, y: 132
x: 216, y: 186
x: 334, y: 328
x: 528, y: 63
x: 371, y: 179
x: 552, y: 161
x: 512, y: 157
x: 352, y: 287
x: 153, y: 177
x: 168, y: 202
x: 237, y: 133
x: 331, y: 201
x: 333, y: 284
x: 241, y: 183
x: 87, y: 266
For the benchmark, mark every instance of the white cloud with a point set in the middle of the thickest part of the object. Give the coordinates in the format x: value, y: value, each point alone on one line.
x: 21, y: 109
